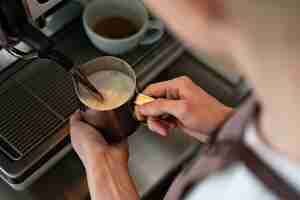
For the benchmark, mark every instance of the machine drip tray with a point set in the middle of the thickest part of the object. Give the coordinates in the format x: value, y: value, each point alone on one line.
x: 37, y: 103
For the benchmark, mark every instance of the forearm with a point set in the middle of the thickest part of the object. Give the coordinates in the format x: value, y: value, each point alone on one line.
x: 110, y: 181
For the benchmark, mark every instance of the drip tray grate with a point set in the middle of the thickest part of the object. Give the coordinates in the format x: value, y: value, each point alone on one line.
x: 52, y: 84
x: 36, y: 102
x: 24, y: 122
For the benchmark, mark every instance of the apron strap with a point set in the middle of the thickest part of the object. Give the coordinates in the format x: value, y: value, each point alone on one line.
x: 225, y: 148
x: 271, y: 180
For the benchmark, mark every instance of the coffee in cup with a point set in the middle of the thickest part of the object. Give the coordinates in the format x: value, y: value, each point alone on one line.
x: 118, y: 26
x: 115, y: 27
x: 115, y: 87
x: 116, y: 80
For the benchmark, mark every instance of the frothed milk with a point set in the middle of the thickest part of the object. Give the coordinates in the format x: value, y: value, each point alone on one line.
x: 116, y: 88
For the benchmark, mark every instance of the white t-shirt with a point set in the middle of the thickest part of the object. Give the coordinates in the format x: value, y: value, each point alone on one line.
x: 238, y: 183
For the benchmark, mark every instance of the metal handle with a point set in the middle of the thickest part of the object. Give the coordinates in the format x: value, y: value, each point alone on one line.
x: 79, y: 77
x: 58, y: 57
x: 35, y: 38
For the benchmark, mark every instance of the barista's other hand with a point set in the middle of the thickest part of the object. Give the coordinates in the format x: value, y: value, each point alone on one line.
x: 106, y: 165
x: 191, y: 108
x: 91, y: 147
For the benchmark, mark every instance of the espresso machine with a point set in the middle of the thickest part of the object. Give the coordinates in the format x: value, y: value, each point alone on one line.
x: 33, y: 133
x: 16, y: 15
x: 16, y: 24
x: 36, y: 91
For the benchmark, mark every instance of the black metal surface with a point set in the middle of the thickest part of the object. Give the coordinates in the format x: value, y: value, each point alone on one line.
x: 34, y: 106
x: 52, y: 84
x: 24, y: 121
x: 4, y: 41
x: 12, y: 15
x: 57, y: 57
x: 9, y: 22
x: 41, y: 162
x: 15, y: 23
x: 34, y: 37
x: 42, y: 1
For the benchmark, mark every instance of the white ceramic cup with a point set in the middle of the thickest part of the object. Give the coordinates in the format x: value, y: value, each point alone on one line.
x: 150, y: 31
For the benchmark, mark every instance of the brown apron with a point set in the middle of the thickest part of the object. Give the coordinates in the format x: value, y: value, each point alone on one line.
x: 226, y: 148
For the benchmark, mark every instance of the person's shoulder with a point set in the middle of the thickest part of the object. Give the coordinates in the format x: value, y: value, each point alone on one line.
x: 233, y: 183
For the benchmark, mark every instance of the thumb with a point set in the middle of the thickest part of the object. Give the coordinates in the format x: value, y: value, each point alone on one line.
x: 161, y: 107
x: 76, y: 117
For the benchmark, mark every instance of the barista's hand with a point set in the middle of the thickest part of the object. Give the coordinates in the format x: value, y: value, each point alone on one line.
x: 106, y: 165
x: 192, y: 109
x: 91, y: 147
